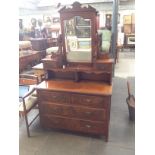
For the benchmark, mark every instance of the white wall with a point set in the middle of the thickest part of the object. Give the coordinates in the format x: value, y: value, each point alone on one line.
x: 125, y: 8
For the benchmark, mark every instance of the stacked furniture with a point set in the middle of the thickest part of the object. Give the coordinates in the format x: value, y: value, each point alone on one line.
x: 53, y: 33
x: 27, y: 56
x: 129, y: 30
x: 39, y: 44
x: 76, y: 94
x: 25, y: 45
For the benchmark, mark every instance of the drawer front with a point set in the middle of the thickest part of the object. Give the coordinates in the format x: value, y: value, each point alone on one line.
x: 49, y: 121
x: 56, y: 97
x: 104, y: 67
x: 90, y: 100
x: 73, y: 111
x: 50, y: 65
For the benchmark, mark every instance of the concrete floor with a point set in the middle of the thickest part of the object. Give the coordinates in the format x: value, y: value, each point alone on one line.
x: 121, y: 134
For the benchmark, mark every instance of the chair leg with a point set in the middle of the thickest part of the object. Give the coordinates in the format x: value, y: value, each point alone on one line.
x: 27, y: 125
x: 21, y: 115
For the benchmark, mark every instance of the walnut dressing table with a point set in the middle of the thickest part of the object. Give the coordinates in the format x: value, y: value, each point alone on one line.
x: 76, y: 94
x: 77, y: 106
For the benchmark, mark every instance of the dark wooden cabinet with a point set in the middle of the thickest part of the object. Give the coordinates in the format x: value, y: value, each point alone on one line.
x: 129, y: 30
x: 76, y: 94
x: 129, y: 24
x: 130, y: 40
x: 40, y: 44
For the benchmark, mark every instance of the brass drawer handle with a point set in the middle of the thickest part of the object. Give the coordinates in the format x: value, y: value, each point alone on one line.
x: 56, y: 122
x: 54, y: 97
x: 88, y: 100
x: 55, y: 109
x: 88, y: 126
x: 88, y: 112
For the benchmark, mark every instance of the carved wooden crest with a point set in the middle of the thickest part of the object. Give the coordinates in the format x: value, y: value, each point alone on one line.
x: 77, y: 7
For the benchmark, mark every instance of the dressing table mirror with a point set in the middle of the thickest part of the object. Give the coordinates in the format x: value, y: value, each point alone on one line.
x: 79, y: 33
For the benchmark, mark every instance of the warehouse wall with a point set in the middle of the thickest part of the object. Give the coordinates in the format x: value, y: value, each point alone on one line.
x: 125, y: 8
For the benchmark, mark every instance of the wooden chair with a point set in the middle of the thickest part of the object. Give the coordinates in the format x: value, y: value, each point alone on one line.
x: 27, y: 97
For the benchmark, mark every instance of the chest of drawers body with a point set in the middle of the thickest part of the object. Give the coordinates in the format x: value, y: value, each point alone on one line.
x: 82, y: 107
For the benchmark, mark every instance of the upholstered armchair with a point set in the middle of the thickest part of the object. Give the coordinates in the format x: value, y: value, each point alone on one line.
x: 105, y: 40
x: 25, y: 45
x: 51, y: 50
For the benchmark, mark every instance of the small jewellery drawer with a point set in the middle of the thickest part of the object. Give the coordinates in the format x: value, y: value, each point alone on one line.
x: 104, y: 67
x: 52, y: 64
x: 90, y: 100
x: 73, y: 111
x: 57, y: 97
x: 50, y: 121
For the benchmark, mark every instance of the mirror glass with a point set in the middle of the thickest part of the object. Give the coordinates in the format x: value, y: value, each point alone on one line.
x: 78, y: 39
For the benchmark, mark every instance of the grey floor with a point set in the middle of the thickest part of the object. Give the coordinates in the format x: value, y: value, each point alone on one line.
x: 121, y: 134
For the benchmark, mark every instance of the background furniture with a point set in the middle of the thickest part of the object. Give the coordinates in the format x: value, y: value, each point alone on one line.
x: 131, y: 103
x: 118, y: 48
x: 25, y: 45
x: 105, y: 39
x: 76, y: 94
x: 51, y: 50
x: 53, y: 33
x: 27, y: 97
x: 129, y: 30
x: 130, y: 40
x: 39, y: 71
x: 120, y: 45
x: 108, y: 21
x: 129, y: 23
x: 39, y: 44
x: 28, y: 58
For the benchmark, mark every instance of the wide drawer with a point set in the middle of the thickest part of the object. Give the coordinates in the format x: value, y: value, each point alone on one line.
x: 52, y: 64
x: 57, y: 97
x: 90, y: 100
x: 73, y: 111
x: 49, y: 121
x: 104, y: 67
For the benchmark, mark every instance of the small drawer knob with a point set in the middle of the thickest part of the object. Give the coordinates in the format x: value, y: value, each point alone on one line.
x: 88, y: 112
x: 55, y: 109
x: 54, y: 97
x: 56, y: 122
x: 88, y: 126
x: 88, y: 100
